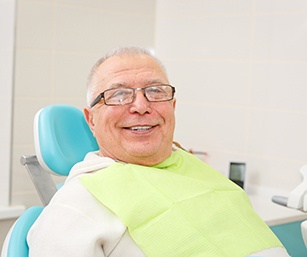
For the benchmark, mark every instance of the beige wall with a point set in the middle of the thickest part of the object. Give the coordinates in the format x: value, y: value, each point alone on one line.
x: 5, y: 226
x: 7, y: 25
x: 57, y: 42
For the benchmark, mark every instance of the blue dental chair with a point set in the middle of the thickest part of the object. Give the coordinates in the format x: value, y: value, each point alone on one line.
x: 62, y: 138
x: 15, y: 243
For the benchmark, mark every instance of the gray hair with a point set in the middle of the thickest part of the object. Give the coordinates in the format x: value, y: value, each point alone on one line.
x: 91, y: 82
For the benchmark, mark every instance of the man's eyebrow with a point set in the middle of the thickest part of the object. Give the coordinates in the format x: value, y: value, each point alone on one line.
x: 117, y: 85
x: 154, y: 81
x: 148, y: 82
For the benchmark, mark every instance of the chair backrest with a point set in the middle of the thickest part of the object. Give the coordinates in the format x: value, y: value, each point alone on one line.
x: 15, y: 244
x: 62, y: 138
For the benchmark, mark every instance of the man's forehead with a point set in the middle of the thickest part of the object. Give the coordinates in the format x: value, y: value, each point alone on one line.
x: 134, y: 67
x: 127, y: 62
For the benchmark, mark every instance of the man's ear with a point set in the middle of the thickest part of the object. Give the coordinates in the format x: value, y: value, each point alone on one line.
x: 88, y: 114
x: 174, y: 103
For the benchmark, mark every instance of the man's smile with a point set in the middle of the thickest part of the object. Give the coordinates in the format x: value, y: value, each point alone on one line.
x: 140, y: 128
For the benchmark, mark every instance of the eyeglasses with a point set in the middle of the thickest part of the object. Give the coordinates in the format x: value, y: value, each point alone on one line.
x: 125, y: 95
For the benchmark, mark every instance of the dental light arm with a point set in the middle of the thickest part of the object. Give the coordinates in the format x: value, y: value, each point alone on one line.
x: 298, y: 197
x: 297, y: 200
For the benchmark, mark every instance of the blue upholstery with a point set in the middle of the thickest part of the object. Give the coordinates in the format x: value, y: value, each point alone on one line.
x: 63, y: 138
x: 291, y: 236
x: 17, y: 245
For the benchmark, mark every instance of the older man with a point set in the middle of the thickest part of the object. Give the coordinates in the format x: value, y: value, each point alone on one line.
x: 139, y: 195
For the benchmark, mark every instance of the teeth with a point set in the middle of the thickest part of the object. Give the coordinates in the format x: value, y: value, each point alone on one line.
x: 140, y: 128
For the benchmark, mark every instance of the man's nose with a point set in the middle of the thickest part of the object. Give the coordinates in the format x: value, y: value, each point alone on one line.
x: 140, y: 103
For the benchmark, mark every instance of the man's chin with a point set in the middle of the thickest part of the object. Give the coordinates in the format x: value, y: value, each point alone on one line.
x: 147, y: 157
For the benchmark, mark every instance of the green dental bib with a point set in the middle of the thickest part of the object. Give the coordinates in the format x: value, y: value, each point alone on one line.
x: 181, y: 208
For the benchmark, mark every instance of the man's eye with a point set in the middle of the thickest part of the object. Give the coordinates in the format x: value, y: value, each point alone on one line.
x: 155, y: 90
x: 118, y: 94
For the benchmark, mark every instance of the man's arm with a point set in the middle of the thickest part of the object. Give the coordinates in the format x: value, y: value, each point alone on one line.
x: 74, y: 224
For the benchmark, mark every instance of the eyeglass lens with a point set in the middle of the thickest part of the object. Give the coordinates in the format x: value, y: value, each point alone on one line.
x: 123, y: 96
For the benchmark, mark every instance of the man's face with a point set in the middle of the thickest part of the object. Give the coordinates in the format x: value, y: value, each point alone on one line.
x: 140, y: 132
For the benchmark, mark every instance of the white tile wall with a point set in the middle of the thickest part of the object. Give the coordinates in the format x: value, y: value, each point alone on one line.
x: 279, y: 85
x: 202, y: 7
x: 240, y: 72
x: 205, y: 36
x: 280, y: 36
x: 278, y: 6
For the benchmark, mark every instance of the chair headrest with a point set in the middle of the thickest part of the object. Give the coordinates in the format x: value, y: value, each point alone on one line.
x: 62, y: 138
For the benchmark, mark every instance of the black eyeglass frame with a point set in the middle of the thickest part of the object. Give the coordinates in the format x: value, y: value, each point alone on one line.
x: 101, y: 95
